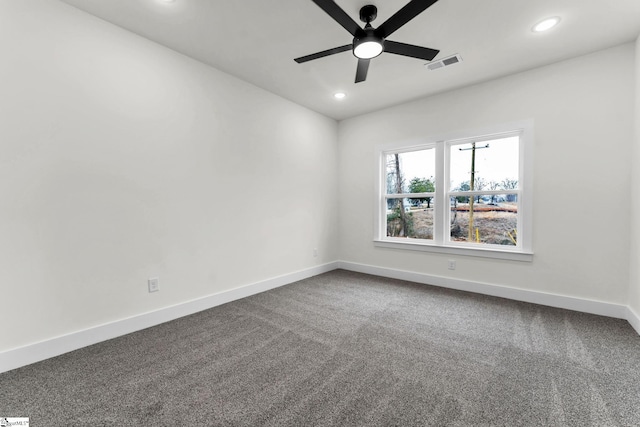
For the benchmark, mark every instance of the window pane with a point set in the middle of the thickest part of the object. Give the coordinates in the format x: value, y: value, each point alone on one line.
x: 494, y: 166
x: 489, y: 219
x: 410, y: 172
x: 407, y: 220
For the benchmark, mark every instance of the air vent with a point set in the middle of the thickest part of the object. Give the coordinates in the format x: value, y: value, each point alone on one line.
x: 444, y: 62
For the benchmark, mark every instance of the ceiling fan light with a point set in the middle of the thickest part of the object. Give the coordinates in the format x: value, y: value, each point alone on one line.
x: 367, y: 48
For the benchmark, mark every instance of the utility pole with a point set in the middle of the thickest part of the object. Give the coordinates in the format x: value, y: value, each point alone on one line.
x: 472, y: 185
x: 471, y: 188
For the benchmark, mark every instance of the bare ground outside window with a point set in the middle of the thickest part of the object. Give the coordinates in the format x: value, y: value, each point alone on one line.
x: 494, y: 225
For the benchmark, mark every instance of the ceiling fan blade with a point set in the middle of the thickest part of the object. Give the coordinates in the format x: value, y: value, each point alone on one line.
x: 401, y: 17
x: 361, y: 72
x: 339, y: 15
x: 410, y: 50
x: 323, y: 53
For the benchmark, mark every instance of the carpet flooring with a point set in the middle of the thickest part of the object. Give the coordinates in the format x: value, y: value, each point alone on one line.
x: 346, y: 349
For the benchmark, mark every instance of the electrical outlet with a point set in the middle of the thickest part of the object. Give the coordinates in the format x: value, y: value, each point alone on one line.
x: 315, y: 252
x: 154, y: 284
x: 452, y: 264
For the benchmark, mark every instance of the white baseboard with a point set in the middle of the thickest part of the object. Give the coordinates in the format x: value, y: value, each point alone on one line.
x: 552, y: 300
x: 22, y: 356
x: 634, y: 319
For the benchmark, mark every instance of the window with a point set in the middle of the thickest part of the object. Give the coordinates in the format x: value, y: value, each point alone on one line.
x: 410, y: 188
x: 467, y: 194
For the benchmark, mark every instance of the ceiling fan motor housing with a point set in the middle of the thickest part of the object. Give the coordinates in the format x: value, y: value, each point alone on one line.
x: 367, y: 36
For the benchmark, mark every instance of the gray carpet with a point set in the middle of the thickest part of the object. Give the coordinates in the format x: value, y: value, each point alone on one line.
x: 346, y: 349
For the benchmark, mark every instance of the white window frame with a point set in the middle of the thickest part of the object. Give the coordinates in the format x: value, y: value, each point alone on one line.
x: 522, y: 251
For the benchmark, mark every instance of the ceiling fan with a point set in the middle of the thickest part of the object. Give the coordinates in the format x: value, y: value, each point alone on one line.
x: 369, y: 42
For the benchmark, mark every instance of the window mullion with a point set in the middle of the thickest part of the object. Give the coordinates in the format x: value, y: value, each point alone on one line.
x: 440, y: 213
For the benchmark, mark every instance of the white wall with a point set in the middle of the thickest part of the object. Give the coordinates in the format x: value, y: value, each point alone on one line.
x: 634, y: 261
x: 583, y: 114
x: 122, y: 160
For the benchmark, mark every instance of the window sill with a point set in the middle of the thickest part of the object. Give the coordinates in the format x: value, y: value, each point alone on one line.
x: 473, y: 252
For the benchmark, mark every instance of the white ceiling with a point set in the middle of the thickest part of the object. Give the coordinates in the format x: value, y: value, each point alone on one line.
x: 256, y: 40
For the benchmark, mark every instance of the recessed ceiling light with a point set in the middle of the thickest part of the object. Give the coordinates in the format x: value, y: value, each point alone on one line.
x: 339, y: 95
x: 546, y: 24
